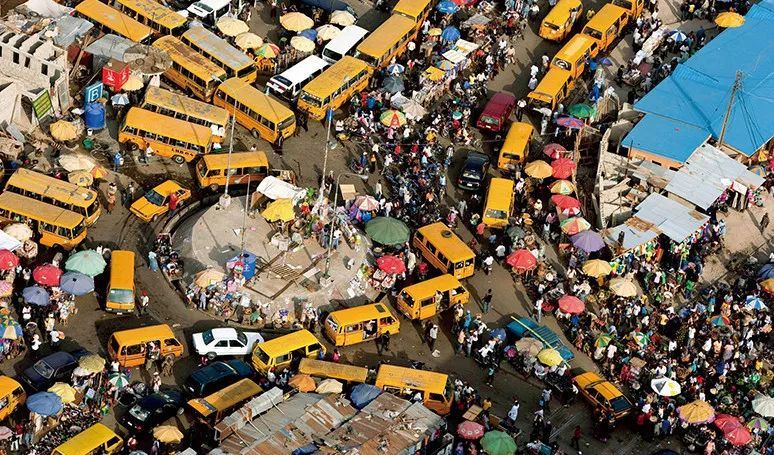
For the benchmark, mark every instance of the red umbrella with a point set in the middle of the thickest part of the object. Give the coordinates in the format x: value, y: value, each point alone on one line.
x: 521, y: 260
x: 738, y: 436
x: 563, y: 168
x: 391, y: 264
x: 47, y: 275
x: 565, y: 202
x: 554, y: 151
x: 571, y: 304
x: 8, y: 260
x: 470, y: 430
x: 726, y: 422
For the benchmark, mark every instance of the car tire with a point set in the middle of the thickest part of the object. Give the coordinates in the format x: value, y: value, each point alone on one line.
x: 211, y: 356
x: 178, y: 159
x: 154, y: 218
x: 180, y: 411
x: 214, y: 187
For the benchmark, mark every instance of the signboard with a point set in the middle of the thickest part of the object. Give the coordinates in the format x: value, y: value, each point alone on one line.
x: 42, y: 105
x: 115, y: 74
x: 93, y: 92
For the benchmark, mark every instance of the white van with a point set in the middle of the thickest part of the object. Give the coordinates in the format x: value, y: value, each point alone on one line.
x: 289, y: 83
x: 209, y: 11
x: 344, y: 43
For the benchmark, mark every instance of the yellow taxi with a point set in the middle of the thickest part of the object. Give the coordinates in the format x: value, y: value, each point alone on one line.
x: 602, y: 393
x: 156, y: 201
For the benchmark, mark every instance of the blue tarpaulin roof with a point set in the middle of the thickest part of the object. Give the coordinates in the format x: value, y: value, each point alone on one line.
x: 698, y: 91
x: 665, y: 137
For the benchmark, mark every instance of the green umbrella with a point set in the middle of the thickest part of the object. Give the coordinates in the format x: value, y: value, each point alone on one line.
x: 498, y: 443
x: 388, y: 231
x: 582, y: 110
x: 87, y: 262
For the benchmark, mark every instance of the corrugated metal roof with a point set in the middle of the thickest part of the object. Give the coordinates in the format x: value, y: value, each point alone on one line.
x: 633, y: 237
x: 110, y: 46
x: 672, y: 218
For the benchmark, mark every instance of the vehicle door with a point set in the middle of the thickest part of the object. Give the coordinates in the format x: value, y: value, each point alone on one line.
x: 171, y: 347
x: 113, y: 445
x: 427, y: 308
x: 220, y: 347
x: 353, y: 333
x: 133, y: 354
x: 236, y: 347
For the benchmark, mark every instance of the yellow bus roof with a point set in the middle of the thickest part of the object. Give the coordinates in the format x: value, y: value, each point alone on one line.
x: 360, y: 313
x: 143, y: 334
x: 86, y: 441
x: 499, y: 194
x: 113, y: 19
x: 518, y: 134
x: 189, y: 59
x: 447, y: 241
x: 155, y: 12
x: 218, y: 48
x: 256, y: 100
x: 41, y: 211
x: 190, y: 107
x: 574, y: 48
x: 322, y: 368
x: 411, y: 8
x: 396, y: 376
x: 605, y: 17
x: 552, y: 82
x: 333, y: 77
x: 287, y: 343
x: 122, y: 269
x: 152, y: 122
x: 561, y: 11
x: 8, y: 384
x: 225, y: 397
x: 427, y: 288
x: 60, y: 190
x: 381, y: 40
x: 241, y: 159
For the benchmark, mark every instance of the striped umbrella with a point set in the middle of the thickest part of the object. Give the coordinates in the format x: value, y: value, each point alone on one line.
x: 119, y: 380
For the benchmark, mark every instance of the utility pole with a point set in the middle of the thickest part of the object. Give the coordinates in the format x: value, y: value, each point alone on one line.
x: 736, y: 87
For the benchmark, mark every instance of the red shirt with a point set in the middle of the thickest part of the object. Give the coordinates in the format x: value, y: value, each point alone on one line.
x: 173, y: 201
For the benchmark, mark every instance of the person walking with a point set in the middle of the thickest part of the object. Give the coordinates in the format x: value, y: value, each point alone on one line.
x: 576, y: 436
x: 432, y: 335
x: 110, y: 197
x: 490, y: 374
x: 486, y: 302
x: 764, y: 221
x: 117, y: 161
x: 174, y: 201
x: 513, y: 413
x: 143, y: 307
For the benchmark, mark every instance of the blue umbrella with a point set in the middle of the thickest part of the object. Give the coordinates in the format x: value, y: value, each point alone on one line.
x: 44, y: 403
x: 447, y: 7
x: 678, y: 36
x: 570, y: 122
x: 309, y: 33
x: 76, y: 283
x: 767, y: 271
x: 36, y: 295
x: 606, y: 61
x: 588, y: 241
x: 498, y: 333
x: 396, y: 68
x: 362, y: 394
x: 450, y: 33
x: 754, y: 303
x: 393, y: 84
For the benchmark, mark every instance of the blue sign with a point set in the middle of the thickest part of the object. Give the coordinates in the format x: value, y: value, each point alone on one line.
x: 329, y: 115
x: 93, y: 92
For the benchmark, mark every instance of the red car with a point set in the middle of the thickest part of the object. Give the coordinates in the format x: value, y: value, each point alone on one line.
x: 497, y: 112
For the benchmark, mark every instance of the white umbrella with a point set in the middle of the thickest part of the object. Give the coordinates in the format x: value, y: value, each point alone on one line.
x: 302, y: 43
x: 19, y: 231
x: 665, y: 387
x: 327, y: 32
x: 329, y: 386
x: 76, y: 162
x: 342, y: 18
x: 763, y: 405
x: 119, y: 99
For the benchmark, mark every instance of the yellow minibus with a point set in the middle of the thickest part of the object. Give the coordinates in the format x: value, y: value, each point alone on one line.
x: 358, y: 324
x: 241, y: 167
x: 334, y: 87
x: 416, y: 10
x: 419, y: 301
x: 190, y: 70
x: 634, y: 7
x: 607, y: 25
x: 153, y: 14
x: 573, y: 55
x: 444, y: 250
x: 233, y: 61
x: 55, y: 225
x: 559, y: 22
x: 110, y: 20
x: 181, y: 107
x: 97, y: 439
x: 436, y: 389
x: 387, y: 41
x: 515, y: 148
x: 555, y: 86
x: 63, y: 194
x: 498, y: 203
x: 130, y: 347
x: 12, y: 395
x: 279, y: 353
x: 213, y: 408
x: 261, y: 114
x: 120, y: 294
x: 168, y: 137
x: 350, y: 374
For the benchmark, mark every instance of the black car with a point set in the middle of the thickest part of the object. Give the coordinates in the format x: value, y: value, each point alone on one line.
x: 56, y: 367
x: 473, y: 171
x: 153, y: 410
x: 216, y: 376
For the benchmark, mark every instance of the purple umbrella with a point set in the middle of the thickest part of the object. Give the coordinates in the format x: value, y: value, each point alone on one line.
x: 570, y: 122
x: 588, y: 241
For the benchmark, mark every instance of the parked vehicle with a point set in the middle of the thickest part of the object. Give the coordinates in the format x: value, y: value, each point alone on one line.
x: 215, y: 376
x: 473, y: 171
x: 153, y: 410
x: 603, y: 393
x: 56, y: 367
x: 155, y: 202
x: 225, y: 341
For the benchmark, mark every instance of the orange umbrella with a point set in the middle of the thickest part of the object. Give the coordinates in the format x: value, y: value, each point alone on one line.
x: 521, y: 260
x: 562, y: 168
x: 302, y: 382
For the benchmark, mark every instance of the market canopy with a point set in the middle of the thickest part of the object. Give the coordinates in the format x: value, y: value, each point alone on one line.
x: 388, y: 231
x: 670, y: 217
x: 274, y: 188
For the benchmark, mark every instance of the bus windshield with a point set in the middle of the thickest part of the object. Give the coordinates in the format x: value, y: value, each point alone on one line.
x: 121, y: 296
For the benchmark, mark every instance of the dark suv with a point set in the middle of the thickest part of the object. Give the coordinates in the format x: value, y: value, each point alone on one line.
x: 473, y: 171
x: 55, y: 367
x: 216, y: 376
x: 153, y: 410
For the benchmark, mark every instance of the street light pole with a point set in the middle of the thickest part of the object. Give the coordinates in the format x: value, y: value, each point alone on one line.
x: 335, y: 190
x: 244, y: 217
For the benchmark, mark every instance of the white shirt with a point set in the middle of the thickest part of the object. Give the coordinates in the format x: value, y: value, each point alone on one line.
x: 513, y: 414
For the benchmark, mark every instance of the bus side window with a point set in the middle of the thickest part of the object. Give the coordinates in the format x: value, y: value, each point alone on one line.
x: 430, y: 247
x: 437, y: 397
